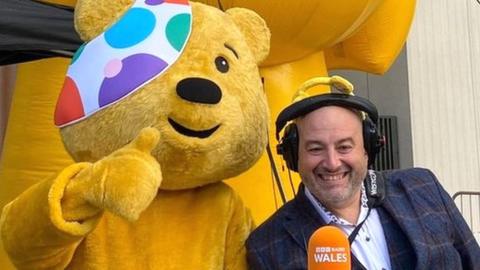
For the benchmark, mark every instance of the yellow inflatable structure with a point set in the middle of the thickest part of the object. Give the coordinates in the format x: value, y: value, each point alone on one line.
x: 309, y: 38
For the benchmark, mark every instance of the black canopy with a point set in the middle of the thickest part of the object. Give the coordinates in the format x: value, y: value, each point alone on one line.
x: 31, y: 30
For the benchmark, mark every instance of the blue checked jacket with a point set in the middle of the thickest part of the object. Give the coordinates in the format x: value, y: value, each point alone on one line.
x: 423, y: 228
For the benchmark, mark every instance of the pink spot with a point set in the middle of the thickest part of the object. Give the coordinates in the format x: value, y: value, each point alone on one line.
x: 112, y: 68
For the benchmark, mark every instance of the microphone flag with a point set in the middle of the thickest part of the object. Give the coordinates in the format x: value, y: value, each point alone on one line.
x: 328, y: 248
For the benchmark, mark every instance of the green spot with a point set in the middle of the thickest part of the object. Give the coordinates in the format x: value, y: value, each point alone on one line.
x: 77, y: 53
x: 178, y: 29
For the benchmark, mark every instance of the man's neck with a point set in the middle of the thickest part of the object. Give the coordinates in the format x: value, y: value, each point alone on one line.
x: 349, y: 210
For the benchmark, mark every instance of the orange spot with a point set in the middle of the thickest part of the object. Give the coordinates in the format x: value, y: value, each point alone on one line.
x: 181, y: 2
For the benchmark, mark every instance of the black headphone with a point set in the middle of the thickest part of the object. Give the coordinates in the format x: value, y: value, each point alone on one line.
x: 288, y: 145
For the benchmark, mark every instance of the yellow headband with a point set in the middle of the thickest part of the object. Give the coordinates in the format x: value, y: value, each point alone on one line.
x: 336, y: 81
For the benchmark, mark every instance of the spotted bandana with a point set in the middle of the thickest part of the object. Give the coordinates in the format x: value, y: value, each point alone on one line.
x: 139, y: 47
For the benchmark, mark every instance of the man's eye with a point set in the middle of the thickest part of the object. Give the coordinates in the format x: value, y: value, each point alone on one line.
x: 314, y: 149
x: 344, y: 148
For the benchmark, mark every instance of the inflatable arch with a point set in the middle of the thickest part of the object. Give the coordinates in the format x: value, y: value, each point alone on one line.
x: 309, y: 38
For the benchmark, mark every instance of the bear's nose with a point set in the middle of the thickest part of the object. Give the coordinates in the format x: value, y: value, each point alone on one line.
x: 199, y: 90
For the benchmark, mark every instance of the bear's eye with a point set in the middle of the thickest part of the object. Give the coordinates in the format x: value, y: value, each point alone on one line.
x: 222, y: 64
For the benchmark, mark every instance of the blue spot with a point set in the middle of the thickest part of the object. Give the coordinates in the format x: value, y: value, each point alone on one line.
x: 177, y: 30
x: 134, y: 27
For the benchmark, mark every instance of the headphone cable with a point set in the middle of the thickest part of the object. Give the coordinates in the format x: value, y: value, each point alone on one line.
x: 220, y: 5
x: 275, y: 174
x: 274, y: 191
x: 291, y: 183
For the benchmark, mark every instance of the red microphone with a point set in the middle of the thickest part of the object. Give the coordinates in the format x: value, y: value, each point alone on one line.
x: 328, y: 248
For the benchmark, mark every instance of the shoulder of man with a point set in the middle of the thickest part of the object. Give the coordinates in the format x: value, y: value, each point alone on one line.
x: 417, y: 187
x: 412, y: 176
x: 272, y: 244
x: 271, y: 228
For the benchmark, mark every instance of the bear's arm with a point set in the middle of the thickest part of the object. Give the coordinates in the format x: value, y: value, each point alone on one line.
x: 33, y: 229
x: 240, y: 226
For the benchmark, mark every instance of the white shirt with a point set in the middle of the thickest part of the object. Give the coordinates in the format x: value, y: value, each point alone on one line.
x: 369, y: 246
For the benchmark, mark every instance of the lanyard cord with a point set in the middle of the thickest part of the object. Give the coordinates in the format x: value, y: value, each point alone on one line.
x: 354, y: 233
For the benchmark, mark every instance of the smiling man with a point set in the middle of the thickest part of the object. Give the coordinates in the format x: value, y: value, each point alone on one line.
x: 332, y: 160
x: 399, y: 219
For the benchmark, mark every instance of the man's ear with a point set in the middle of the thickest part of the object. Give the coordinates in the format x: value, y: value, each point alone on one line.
x: 254, y: 29
x: 92, y: 17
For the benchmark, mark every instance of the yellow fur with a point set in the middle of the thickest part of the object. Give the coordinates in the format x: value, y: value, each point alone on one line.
x: 144, y: 196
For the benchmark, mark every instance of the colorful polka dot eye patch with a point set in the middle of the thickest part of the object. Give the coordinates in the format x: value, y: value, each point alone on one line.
x: 139, y: 47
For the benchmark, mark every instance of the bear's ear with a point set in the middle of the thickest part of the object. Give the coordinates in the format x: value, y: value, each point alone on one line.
x: 92, y: 17
x: 254, y: 29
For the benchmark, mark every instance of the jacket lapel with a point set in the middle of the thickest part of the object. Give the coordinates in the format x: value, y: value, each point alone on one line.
x: 409, y: 223
x: 302, y: 222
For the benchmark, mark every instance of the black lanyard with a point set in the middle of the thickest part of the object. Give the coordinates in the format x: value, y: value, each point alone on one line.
x: 352, y: 236
x: 355, y: 231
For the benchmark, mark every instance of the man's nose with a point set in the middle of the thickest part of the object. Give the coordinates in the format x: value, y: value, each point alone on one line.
x: 332, y: 160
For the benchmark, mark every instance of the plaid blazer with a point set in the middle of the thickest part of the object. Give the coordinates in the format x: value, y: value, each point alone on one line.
x: 422, y: 225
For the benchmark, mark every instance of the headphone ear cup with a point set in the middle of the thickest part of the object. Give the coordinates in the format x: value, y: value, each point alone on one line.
x: 371, y: 140
x: 288, y: 147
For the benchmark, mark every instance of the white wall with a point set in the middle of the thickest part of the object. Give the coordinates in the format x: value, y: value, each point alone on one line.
x: 443, y: 53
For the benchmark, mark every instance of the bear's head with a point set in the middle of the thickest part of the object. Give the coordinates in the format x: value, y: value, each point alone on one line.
x: 208, y: 103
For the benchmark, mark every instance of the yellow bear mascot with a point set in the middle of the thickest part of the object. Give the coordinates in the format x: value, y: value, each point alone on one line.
x: 161, y: 104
